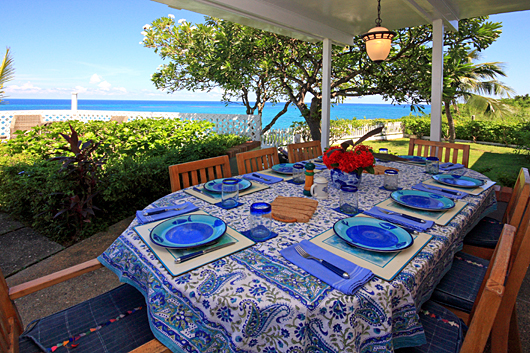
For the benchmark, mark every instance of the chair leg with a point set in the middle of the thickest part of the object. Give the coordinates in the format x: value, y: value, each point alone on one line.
x: 501, y: 331
x: 514, y: 341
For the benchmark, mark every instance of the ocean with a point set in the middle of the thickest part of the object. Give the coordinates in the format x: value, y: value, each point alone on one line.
x: 338, y: 111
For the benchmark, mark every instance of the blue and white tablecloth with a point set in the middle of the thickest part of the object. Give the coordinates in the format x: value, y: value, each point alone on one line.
x: 256, y: 301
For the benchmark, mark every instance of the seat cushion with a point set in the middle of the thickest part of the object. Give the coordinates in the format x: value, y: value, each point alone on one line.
x: 115, y: 321
x: 485, y: 234
x: 460, y: 285
x: 444, y: 331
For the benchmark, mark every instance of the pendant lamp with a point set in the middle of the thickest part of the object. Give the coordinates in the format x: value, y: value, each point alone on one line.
x: 378, y: 39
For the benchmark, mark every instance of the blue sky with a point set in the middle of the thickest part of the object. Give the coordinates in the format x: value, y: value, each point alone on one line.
x: 93, y: 47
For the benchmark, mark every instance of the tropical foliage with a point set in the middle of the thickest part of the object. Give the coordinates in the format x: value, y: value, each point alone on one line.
x: 7, y: 72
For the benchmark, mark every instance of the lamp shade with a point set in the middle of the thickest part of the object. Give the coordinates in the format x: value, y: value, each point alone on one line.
x: 378, y: 41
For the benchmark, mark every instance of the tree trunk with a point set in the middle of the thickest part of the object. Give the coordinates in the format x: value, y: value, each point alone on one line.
x: 450, y: 121
x: 314, y: 118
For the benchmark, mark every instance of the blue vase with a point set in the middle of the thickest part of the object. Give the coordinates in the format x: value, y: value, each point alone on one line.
x: 340, y: 178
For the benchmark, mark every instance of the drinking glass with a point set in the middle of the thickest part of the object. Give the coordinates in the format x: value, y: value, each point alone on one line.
x: 383, y: 150
x: 260, y: 220
x: 298, y: 174
x: 391, y: 180
x: 230, y: 193
x: 432, y: 165
x: 349, y: 202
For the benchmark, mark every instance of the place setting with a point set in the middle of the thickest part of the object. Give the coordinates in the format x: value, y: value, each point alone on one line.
x: 212, y: 191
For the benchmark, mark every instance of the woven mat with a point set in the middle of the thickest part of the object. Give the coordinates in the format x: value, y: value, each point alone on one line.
x: 293, y: 209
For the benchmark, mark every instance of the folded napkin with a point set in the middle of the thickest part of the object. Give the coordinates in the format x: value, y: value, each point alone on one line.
x: 441, y: 191
x: 450, y: 166
x: 397, y: 219
x: 272, y: 179
x: 158, y: 216
x: 318, y: 165
x: 358, y: 275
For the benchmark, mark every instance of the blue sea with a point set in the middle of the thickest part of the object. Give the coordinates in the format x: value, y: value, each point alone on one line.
x: 338, y: 111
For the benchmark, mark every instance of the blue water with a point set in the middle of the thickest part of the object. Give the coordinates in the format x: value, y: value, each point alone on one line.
x: 339, y: 111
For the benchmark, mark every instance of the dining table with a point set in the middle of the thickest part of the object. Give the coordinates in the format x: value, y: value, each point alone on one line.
x: 255, y: 300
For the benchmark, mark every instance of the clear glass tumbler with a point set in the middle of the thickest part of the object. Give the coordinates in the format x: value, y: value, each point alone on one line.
x: 298, y: 173
x: 230, y: 193
x: 432, y: 165
x: 349, y: 202
x: 260, y: 220
x: 383, y: 150
x: 391, y: 180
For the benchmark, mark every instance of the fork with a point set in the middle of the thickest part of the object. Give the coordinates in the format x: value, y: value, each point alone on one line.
x: 324, y: 263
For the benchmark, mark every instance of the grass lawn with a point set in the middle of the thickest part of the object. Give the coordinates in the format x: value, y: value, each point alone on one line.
x: 500, y: 164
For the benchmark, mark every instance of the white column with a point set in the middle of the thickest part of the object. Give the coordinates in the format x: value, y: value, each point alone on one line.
x: 326, y: 86
x: 437, y: 80
x: 74, y: 103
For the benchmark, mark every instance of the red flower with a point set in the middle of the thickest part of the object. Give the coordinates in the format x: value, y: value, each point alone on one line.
x: 358, y: 159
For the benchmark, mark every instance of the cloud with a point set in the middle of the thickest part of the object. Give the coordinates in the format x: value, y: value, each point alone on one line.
x: 95, y: 78
x: 80, y: 89
x: 120, y: 89
x: 26, y: 88
x: 105, y: 85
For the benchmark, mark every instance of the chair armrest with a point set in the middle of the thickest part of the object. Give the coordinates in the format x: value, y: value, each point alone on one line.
x: 52, y: 279
x: 153, y: 346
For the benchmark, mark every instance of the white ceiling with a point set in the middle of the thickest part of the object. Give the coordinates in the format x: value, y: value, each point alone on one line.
x: 339, y: 20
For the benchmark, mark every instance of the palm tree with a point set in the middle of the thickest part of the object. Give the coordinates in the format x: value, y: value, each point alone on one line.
x: 466, y: 80
x: 7, y: 72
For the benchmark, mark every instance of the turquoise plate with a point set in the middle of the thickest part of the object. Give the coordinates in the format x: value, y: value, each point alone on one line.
x: 283, y: 168
x: 373, y: 234
x: 190, y: 231
x: 217, y: 185
x: 415, y: 159
x: 457, y: 181
x: 422, y: 200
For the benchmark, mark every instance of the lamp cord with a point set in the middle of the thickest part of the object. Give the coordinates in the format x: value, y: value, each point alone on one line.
x: 378, y: 20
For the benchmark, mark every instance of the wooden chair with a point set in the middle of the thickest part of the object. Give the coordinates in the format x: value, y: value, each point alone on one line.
x: 119, y: 119
x: 443, y: 328
x: 442, y: 150
x: 197, y: 172
x: 24, y: 122
x: 254, y: 161
x: 11, y: 323
x: 303, y: 151
x: 481, y: 240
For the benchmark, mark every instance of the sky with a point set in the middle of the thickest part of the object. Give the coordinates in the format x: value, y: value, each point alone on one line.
x: 93, y: 47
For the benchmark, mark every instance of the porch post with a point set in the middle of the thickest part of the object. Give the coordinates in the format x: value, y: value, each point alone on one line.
x: 326, y: 99
x: 437, y: 80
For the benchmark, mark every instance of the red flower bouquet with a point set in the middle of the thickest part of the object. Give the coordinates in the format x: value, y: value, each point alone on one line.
x: 355, y: 160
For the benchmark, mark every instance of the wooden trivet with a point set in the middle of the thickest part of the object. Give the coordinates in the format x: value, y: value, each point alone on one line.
x: 293, y: 209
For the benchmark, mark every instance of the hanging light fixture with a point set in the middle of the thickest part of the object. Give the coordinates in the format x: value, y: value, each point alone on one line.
x: 378, y: 39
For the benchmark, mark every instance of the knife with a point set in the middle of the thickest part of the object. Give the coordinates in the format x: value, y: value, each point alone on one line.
x: 442, y: 190
x: 202, y: 252
x: 260, y: 177
x: 149, y: 213
x: 412, y: 218
x: 202, y: 192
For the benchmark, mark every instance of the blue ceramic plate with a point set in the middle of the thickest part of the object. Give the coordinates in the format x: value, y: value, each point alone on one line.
x: 422, y: 200
x: 283, y: 168
x: 217, y: 185
x: 415, y: 159
x: 457, y: 181
x: 373, y: 234
x: 188, y: 231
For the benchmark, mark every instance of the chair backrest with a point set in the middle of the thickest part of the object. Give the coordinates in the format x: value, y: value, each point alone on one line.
x: 197, y: 172
x: 303, y: 151
x: 518, y: 201
x: 446, y: 152
x: 10, y: 321
x: 490, y: 296
x: 254, y: 161
x: 24, y: 122
x: 119, y: 118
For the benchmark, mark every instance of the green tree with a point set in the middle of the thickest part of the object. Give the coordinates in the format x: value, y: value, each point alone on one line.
x: 464, y: 79
x: 7, y: 72
x: 238, y: 58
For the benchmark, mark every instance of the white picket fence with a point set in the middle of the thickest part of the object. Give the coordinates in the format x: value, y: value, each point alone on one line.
x: 243, y: 125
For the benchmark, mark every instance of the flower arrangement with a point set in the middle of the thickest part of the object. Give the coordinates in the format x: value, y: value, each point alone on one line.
x: 357, y: 159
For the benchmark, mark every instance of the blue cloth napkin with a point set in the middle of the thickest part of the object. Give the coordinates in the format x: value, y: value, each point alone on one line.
x: 273, y: 179
x: 441, y: 191
x: 397, y: 219
x: 318, y: 166
x: 158, y: 216
x: 450, y: 166
x: 358, y: 275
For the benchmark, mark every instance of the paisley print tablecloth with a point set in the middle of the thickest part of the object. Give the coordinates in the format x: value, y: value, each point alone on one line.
x: 256, y: 301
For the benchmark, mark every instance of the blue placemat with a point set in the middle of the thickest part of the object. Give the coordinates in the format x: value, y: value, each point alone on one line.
x: 220, y: 204
x: 248, y: 234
